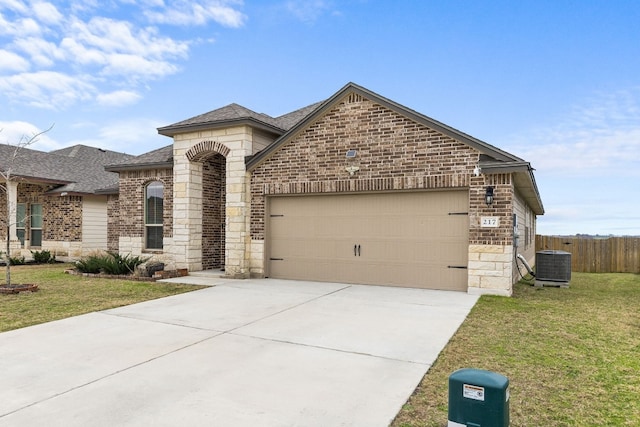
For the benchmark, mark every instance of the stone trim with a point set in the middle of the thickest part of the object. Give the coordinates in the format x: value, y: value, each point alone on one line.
x: 490, y: 269
x: 204, y: 149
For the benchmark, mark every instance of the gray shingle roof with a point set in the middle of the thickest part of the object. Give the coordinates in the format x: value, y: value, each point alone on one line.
x: 289, y: 120
x: 162, y: 157
x: 78, y: 169
x: 224, y: 115
x: 237, y: 113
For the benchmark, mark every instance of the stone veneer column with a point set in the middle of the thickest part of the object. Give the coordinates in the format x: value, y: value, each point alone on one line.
x: 237, y: 215
x: 490, y: 269
x: 186, y: 245
x: 186, y: 249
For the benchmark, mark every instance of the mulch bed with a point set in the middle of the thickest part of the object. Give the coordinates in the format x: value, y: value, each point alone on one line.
x: 164, y: 274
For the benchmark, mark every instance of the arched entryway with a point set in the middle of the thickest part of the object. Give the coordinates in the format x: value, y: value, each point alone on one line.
x: 212, y: 157
x: 210, y: 207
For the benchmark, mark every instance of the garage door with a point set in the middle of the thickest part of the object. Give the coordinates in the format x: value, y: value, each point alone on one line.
x: 417, y: 239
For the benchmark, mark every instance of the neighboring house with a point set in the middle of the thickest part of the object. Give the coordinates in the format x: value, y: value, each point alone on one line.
x: 55, y: 199
x: 355, y: 189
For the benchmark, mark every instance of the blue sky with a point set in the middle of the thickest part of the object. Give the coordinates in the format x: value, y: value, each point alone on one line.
x: 555, y: 82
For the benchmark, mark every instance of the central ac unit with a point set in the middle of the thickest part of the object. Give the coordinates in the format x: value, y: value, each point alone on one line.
x: 553, y: 268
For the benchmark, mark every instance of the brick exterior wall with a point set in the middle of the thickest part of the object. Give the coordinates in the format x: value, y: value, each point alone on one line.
x: 130, y: 205
x: 213, y: 212
x: 113, y: 222
x: 393, y: 153
x: 502, y: 207
x: 61, y: 216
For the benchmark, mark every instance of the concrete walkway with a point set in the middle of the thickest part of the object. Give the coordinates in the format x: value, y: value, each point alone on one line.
x: 242, y: 353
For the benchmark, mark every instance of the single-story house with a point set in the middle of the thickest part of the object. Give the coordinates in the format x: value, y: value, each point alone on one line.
x: 56, y: 199
x: 355, y: 189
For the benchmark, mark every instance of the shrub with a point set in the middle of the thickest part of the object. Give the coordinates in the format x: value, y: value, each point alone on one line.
x: 43, y: 257
x: 89, y: 264
x: 109, y: 263
x: 118, y: 264
x: 17, y: 260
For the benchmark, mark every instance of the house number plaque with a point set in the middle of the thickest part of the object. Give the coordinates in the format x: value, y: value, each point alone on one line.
x: 489, y: 222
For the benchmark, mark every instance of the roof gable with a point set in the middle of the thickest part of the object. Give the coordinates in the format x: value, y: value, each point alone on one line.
x: 352, y: 88
x: 499, y: 160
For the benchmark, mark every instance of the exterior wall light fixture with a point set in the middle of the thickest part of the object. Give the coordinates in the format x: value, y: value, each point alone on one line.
x: 488, y: 196
x: 352, y: 169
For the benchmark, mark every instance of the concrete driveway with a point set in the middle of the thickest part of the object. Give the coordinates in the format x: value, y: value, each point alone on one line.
x: 242, y: 353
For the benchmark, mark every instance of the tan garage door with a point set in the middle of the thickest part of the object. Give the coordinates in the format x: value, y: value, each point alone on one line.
x: 417, y: 239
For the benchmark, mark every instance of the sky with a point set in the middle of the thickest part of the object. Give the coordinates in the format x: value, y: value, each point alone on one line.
x: 555, y: 82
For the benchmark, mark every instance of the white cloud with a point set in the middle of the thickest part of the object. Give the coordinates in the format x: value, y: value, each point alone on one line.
x: 20, y: 27
x: 47, y: 89
x: 42, y: 52
x: 13, y: 5
x: 308, y: 10
x: 600, y: 137
x: 120, y: 37
x: 134, y: 136
x: 10, y: 61
x: 116, y: 48
x: 134, y: 67
x: 118, y: 98
x: 198, y: 13
x: 55, y: 54
x: 47, y: 13
x: 15, y: 132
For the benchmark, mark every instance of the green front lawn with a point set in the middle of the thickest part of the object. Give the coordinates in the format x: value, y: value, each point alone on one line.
x: 63, y: 295
x: 572, y: 355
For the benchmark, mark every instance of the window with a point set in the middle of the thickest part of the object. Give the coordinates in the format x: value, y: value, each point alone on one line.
x: 21, y: 220
x: 154, y: 199
x: 36, y: 225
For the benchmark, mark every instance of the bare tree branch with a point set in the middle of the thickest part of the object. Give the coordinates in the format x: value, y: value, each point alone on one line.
x: 6, y: 177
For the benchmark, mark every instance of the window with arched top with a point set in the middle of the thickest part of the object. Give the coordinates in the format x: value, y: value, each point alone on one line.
x: 153, y: 213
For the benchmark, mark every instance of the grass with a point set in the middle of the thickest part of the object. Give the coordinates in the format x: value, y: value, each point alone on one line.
x: 63, y: 295
x: 572, y: 355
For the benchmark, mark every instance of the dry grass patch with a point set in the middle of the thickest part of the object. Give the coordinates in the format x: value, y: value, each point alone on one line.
x: 63, y: 295
x: 572, y: 355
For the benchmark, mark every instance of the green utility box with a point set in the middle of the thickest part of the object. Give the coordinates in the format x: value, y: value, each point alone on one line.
x: 478, y: 398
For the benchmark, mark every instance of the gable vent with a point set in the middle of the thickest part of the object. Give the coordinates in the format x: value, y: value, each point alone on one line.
x: 353, y: 98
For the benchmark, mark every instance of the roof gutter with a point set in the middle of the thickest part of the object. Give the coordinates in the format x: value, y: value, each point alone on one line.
x: 524, y: 180
x: 138, y: 166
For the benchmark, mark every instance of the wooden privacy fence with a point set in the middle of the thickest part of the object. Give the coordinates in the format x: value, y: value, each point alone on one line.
x: 596, y: 255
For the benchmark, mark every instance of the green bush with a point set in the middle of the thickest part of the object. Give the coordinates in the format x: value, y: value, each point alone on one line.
x: 109, y: 263
x: 43, y: 257
x: 17, y: 260
x: 89, y: 264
